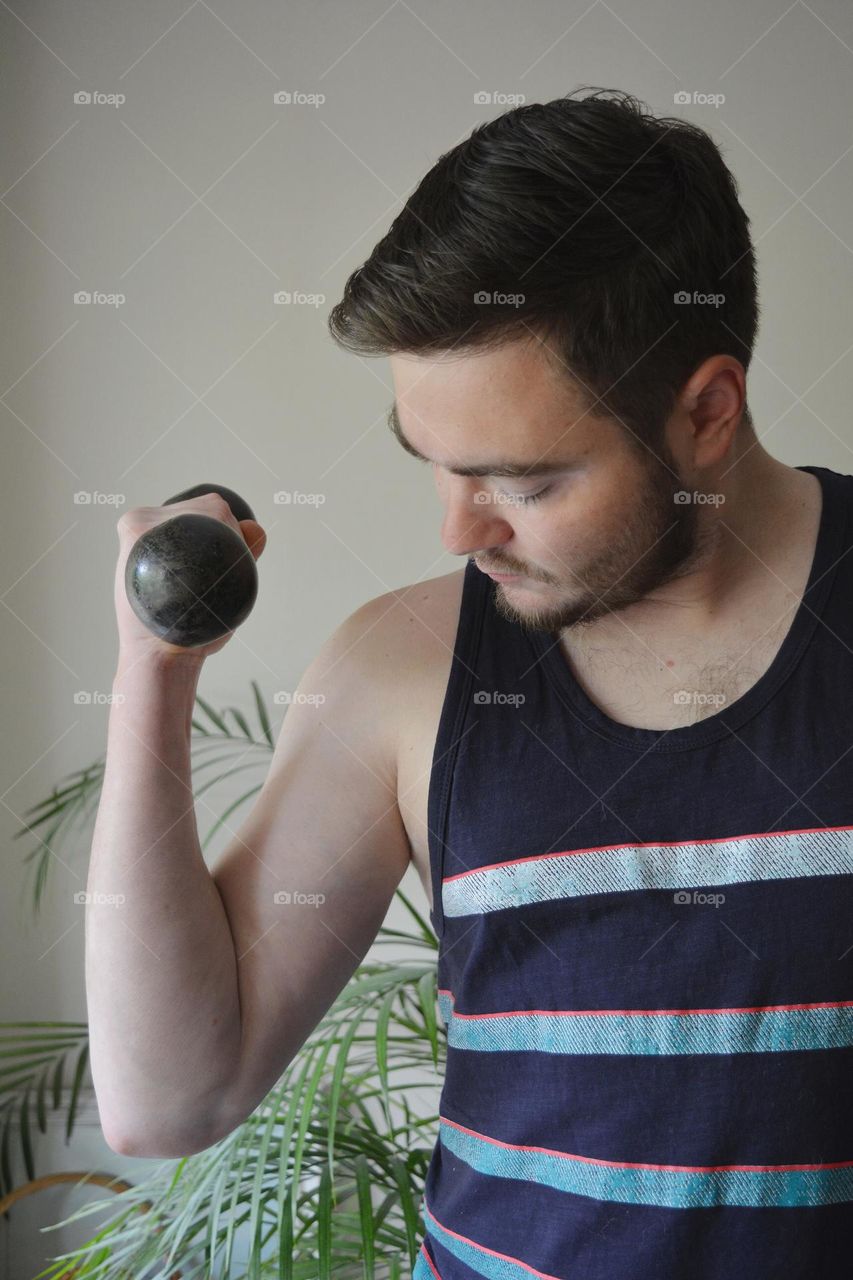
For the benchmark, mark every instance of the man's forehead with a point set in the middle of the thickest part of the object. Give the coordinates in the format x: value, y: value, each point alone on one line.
x: 542, y: 453
x: 507, y: 411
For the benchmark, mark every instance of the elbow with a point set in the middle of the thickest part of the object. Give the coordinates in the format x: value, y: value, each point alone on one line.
x: 120, y: 1142
x: 152, y: 1145
x: 175, y: 1133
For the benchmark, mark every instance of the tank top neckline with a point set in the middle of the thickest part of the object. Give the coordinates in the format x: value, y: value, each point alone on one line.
x: 547, y: 651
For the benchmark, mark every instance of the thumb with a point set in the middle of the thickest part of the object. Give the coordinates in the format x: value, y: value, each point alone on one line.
x: 254, y: 535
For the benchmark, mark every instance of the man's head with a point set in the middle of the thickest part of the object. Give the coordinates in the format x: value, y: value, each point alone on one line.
x: 604, y: 527
x: 575, y: 280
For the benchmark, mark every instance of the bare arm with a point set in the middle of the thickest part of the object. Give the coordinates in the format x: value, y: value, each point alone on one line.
x: 327, y: 830
x: 164, y: 1017
x: 202, y: 986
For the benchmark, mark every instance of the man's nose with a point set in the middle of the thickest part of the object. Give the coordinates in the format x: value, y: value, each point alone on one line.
x: 469, y: 523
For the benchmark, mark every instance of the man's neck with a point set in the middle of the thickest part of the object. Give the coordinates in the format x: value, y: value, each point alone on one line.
x: 751, y: 539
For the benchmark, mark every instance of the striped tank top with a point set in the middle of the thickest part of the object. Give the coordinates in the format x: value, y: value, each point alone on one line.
x: 645, y: 964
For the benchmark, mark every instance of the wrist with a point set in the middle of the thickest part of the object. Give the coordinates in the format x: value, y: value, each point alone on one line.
x: 153, y: 665
x: 152, y: 687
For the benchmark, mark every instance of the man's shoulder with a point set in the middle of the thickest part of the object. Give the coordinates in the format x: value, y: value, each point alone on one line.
x: 411, y: 625
x: 397, y: 650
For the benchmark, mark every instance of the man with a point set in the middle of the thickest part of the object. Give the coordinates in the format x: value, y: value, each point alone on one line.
x: 641, y: 795
x: 622, y: 772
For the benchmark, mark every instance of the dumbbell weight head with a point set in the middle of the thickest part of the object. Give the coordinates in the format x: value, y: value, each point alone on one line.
x: 240, y: 508
x: 191, y: 579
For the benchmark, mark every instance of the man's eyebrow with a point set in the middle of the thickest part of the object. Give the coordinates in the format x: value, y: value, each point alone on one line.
x: 504, y: 468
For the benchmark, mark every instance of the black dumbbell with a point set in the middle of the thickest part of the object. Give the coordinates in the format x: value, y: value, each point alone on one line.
x: 193, y: 578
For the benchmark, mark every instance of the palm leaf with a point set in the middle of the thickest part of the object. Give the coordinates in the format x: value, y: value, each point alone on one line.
x: 31, y: 1055
x: 365, y: 1208
x: 65, y: 806
x: 70, y: 806
x: 263, y: 718
x: 273, y: 1177
x: 223, y: 818
x: 217, y: 719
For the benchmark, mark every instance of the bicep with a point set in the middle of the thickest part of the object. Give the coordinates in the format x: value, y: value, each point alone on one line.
x: 309, y: 877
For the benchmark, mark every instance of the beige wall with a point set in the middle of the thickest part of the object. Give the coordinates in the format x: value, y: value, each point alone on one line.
x: 198, y: 198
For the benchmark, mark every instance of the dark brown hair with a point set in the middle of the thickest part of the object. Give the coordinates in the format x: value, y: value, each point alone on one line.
x: 598, y: 215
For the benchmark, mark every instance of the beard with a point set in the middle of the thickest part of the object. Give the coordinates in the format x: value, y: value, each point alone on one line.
x: 658, y: 541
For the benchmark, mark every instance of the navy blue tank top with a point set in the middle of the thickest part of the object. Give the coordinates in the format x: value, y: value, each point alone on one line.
x: 645, y: 962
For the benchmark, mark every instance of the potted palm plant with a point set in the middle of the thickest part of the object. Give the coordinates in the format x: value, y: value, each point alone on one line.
x: 326, y: 1177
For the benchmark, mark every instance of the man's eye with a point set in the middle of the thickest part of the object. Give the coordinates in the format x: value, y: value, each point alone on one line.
x: 524, y: 499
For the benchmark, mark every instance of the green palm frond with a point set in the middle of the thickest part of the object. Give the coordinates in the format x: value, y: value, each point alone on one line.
x: 34, y: 1060
x: 330, y: 1161
x: 69, y: 804
x: 73, y: 801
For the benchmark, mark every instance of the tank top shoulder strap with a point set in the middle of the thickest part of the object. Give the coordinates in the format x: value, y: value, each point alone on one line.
x: 451, y: 727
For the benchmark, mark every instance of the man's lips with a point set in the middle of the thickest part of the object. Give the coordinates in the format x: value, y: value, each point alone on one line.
x: 500, y: 573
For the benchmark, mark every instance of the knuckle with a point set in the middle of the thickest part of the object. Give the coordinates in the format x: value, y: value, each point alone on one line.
x: 127, y: 519
x: 220, y: 506
x: 213, y: 504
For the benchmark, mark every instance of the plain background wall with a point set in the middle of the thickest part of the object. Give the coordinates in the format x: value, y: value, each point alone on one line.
x: 198, y: 199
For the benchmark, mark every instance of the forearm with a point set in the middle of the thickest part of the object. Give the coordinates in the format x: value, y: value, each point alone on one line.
x: 161, y: 972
